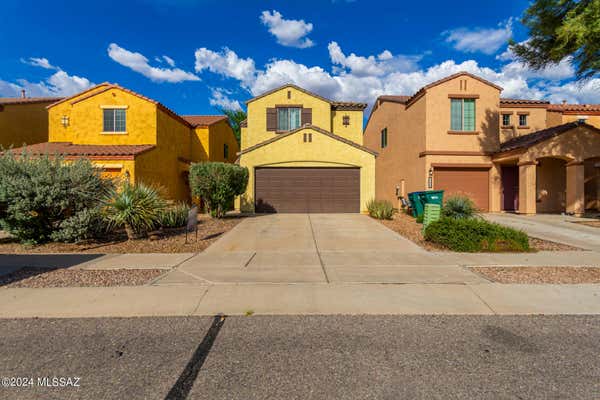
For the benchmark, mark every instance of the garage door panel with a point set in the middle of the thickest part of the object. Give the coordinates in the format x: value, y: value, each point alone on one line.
x: 471, y: 182
x: 313, y: 190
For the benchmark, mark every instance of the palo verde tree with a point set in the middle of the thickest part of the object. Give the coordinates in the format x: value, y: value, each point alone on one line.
x: 559, y: 29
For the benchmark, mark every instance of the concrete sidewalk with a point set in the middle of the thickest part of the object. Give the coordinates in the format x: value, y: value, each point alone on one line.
x: 280, y: 299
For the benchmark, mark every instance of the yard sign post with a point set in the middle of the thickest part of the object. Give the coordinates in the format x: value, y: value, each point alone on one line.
x: 192, y: 223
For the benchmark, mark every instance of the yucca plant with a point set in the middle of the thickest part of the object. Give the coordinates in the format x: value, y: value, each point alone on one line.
x: 459, y: 207
x: 135, y: 207
x: 380, y: 209
x: 174, y: 216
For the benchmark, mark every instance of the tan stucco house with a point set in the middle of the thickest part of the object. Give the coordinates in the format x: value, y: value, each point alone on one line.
x: 305, y: 153
x: 458, y: 135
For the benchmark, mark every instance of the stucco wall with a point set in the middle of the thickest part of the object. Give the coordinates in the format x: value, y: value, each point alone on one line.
x: 291, y: 151
x: 85, y: 120
x: 438, y: 117
x: 23, y: 124
x: 221, y: 134
x: 353, y: 131
x: 398, y: 164
x: 537, y: 119
x: 551, y: 178
x: 256, y: 131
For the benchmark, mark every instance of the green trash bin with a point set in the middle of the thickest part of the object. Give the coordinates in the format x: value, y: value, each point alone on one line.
x: 432, y: 197
x: 416, y: 205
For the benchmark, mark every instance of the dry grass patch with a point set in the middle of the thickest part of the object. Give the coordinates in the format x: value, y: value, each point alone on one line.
x: 537, y: 275
x: 171, y: 241
x: 63, y: 277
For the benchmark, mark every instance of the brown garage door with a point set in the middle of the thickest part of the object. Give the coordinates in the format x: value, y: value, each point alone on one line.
x: 307, y: 190
x: 472, y: 182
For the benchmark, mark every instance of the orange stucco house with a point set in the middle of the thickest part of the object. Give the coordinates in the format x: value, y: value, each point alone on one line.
x: 457, y: 134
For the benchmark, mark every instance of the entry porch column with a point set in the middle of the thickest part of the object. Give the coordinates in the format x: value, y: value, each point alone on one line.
x: 527, y: 187
x: 575, y: 188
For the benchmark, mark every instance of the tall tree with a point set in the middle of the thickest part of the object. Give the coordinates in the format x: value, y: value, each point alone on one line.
x: 235, y: 118
x: 559, y: 29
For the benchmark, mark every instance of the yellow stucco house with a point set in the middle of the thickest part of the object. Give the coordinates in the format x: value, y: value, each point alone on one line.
x: 129, y: 135
x: 305, y: 153
x: 24, y: 120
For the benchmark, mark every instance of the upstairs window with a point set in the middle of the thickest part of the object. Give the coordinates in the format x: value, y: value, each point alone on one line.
x: 384, y: 138
x: 462, y: 115
x: 225, y: 151
x: 288, y: 118
x: 505, y: 119
x: 523, y: 120
x: 114, y: 120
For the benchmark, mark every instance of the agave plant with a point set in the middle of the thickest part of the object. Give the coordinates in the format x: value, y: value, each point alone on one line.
x: 135, y: 207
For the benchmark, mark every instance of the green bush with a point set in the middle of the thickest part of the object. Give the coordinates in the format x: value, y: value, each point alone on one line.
x: 135, y: 207
x: 420, y: 219
x: 38, y: 194
x: 174, y: 216
x: 217, y: 184
x: 459, y: 207
x: 475, y: 235
x: 380, y: 209
x: 84, y: 225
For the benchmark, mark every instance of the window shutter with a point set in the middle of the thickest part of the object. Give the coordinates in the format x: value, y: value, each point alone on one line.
x: 271, y: 119
x: 306, y: 116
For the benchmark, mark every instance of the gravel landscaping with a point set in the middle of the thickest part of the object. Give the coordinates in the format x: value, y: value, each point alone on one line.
x: 537, y: 275
x: 593, y: 224
x: 406, y: 226
x: 170, y: 241
x: 63, y: 277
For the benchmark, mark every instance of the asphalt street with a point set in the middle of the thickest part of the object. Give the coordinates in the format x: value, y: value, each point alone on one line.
x: 303, y: 357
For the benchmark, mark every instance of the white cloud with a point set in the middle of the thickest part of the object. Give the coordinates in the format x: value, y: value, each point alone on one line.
x: 220, y: 98
x: 39, y: 62
x: 226, y: 63
x: 379, y: 65
x: 169, y: 60
x: 289, y: 32
x: 58, y: 84
x: 483, y: 40
x: 139, y: 63
x: 363, y: 78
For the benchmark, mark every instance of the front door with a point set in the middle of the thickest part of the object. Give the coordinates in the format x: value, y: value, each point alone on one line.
x: 510, y: 187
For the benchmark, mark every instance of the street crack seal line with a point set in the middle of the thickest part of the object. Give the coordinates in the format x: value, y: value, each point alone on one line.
x: 181, y: 389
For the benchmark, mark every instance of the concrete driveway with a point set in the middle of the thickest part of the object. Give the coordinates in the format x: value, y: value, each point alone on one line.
x: 557, y: 228
x: 315, y: 248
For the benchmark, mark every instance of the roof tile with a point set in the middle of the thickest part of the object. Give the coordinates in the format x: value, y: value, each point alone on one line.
x: 82, y: 150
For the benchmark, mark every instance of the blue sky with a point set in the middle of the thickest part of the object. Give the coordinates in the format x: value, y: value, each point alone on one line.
x: 194, y: 56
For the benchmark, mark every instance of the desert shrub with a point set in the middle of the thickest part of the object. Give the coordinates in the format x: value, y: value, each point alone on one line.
x: 86, y: 224
x: 217, y: 184
x: 380, y: 209
x: 174, y: 216
x: 135, y: 207
x: 39, y: 193
x: 475, y: 235
x: 459, y: 207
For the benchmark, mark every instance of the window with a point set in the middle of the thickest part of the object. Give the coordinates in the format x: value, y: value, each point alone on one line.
x: 523, y: 120
x: 346, y: 120
x: 462, y: 114
x: 288, y: 118
x: 308, y: 138
x: 384, y: 141
x: 225, y: 151
x: 505, y: 119
x: 114, y: 120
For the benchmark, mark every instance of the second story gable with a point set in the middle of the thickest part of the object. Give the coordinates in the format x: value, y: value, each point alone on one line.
x: 290, y: 107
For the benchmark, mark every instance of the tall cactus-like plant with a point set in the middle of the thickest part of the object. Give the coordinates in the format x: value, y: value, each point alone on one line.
x: 136, y: 207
